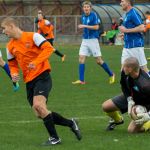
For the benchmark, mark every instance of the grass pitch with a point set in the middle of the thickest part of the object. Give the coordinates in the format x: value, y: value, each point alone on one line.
x: 21, y: 130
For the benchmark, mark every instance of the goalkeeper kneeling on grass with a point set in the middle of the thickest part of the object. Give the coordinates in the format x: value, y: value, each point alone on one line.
x: 135, y: 84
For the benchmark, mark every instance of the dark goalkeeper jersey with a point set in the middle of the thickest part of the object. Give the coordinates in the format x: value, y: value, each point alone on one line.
x: 138, y: 88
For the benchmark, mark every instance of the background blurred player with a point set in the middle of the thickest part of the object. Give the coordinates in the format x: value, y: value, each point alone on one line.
x: 147, y: 29
x: 31, y: 51
x: 90, y: 43
x: 147, y: 23
x: 46, y: 29
x: 133, y: 29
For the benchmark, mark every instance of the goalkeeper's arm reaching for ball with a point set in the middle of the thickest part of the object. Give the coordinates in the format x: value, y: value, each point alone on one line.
x: 142, y: 118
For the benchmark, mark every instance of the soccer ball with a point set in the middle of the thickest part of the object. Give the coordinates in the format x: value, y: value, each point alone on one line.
x: 137, y: 109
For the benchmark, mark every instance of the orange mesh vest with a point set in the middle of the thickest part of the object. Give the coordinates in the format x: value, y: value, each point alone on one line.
x: 46, y: 29
x: 147, y: 23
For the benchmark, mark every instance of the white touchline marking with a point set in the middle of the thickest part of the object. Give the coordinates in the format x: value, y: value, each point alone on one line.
x: 36, y: 121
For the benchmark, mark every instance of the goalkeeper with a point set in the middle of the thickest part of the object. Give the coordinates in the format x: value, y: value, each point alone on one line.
x: 135, y: 84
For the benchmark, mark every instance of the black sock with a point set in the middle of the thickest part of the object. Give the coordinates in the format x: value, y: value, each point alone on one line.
x: 14, y: 83
x: 49, y: 124
x: 58, y: 53
x: 59, y: 120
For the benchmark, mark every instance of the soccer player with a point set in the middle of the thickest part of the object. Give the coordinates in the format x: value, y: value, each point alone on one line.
x: 133, y: 29
x: 5, y: 66
x: 136, y: 91
x: 31, y: 51
x: 47, y: 29
x: 90, y: 43
x: 147, y: 29
x: 147, y: 25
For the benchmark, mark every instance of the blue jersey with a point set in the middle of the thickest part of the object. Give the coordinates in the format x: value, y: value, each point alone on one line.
x: 91, y: 20
x: 132, y: 19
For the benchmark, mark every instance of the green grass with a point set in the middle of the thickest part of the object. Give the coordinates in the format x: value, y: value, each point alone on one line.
x: 21, y: 130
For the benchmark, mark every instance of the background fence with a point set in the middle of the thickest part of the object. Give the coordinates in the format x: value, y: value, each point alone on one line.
x: 65, y: 27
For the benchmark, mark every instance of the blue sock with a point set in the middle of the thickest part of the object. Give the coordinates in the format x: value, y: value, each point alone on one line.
x: 81, y: 72
x: 106, y: 68
x: 6, y: 68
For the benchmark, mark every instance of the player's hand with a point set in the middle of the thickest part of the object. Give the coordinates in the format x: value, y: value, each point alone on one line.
x: 142, y: 118
x: 81, y: 26
x: 122, y: 29
x: 31, y: 66
x: 15, y: 77
x: 121, y: 35
x: 131, y: 103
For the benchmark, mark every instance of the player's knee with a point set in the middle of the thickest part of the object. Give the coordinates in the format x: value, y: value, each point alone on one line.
x: 99, y: 61
x: 131, y: 130
x: 2, y: 62
x: 105, y: 106
x: 108, y: 106
x: 38, y: 107
x: 82, y: 59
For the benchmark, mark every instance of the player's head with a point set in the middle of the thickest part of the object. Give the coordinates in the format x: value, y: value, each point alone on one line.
x: 9, y: 26
x: 87, y: 7
x: 40, y: 11
x: 131, y: 65
x: 40, y: 15
x: 126, y: 4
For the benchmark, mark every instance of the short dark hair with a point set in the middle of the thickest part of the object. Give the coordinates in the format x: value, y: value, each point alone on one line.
x: 133, y: 63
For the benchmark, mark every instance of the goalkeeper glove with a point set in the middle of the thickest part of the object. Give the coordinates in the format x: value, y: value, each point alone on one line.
x: 131, y: 103
x: 142, y: 118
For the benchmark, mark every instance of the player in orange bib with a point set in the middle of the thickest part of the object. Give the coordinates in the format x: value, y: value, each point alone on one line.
x: 30, y: 52
x: 147, y: 21
x: 46, y: 28
x: 147, y: 29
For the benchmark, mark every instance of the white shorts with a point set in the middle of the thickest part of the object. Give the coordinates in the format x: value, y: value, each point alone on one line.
x: 137, y: 52
x: 90, y: 47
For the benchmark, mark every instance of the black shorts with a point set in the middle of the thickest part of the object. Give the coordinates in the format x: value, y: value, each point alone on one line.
x: 121, y: 102
x: 41, y: 85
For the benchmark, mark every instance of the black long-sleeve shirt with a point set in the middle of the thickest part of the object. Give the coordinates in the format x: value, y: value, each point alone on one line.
x: 138, y: 88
